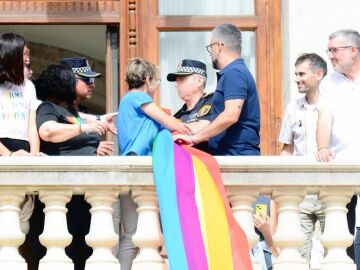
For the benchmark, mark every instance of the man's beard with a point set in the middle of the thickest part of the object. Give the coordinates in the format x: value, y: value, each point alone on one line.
x: 215, y: 63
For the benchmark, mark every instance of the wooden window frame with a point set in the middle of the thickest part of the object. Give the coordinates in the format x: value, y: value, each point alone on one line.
x: 266, y: 25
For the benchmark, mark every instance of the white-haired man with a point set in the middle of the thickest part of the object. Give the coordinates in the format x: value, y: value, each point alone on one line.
x: 190, y: 78
x: 338, y: 130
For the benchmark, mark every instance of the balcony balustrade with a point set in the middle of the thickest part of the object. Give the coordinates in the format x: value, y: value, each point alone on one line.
x: 102, y: 179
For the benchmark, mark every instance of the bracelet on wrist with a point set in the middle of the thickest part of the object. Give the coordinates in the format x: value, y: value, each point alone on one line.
x: 322, y: 148
x: 83, y: 129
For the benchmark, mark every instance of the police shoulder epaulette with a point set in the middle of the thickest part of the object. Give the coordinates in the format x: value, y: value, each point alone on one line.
x: 208, y: 95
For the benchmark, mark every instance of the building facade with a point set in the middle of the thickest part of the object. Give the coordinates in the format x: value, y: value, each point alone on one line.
x: 109, y: 32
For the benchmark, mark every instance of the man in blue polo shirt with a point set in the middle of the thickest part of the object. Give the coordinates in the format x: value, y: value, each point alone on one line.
x: 235, y: 121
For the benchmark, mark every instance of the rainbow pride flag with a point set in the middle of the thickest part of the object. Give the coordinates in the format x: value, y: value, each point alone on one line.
x: 199, y: 228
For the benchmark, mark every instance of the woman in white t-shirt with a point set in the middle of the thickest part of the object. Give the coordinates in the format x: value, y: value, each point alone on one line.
x: 18, y: 134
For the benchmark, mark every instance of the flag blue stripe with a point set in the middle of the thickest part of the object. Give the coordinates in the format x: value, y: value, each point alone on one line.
x: 164, y: 175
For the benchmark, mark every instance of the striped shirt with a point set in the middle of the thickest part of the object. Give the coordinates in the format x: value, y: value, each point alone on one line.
x: 299, y: 127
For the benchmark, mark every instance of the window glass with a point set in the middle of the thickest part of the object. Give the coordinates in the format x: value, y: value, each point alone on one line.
x: 207, y: 7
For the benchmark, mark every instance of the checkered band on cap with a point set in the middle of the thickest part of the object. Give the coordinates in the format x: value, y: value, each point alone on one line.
x: 82, y: 69
x: 191, y: 70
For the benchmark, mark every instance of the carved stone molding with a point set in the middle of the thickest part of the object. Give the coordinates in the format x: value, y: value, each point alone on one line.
x: 58, y: 7
x: 21, y: 10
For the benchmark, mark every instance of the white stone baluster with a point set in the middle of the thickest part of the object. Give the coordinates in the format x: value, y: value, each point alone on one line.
x: 336, y: 237
x: 148, y: 236
x: 102, y: 237
x: 242, y: 201
x: 289, y: 237
x: 11, y: 236
x: 55, y: 236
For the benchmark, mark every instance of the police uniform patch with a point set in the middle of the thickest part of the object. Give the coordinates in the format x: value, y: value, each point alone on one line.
x: 204, y: 110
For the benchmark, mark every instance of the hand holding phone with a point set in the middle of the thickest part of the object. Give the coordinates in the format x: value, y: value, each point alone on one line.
x: 261, y: 210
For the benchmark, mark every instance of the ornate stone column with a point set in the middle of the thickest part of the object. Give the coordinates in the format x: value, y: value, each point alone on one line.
x: 336, y: 237
x: 55, y: 236
x: 11, y: 236
x: 102, y: 237
x: 289, y: 237
x: 148, y: 236
x: 242, y: 201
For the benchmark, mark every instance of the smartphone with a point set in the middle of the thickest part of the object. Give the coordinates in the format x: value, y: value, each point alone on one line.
x: 261, y: 210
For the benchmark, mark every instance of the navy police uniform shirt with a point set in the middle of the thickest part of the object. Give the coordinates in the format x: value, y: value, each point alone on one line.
x: 242, y: 138
x: 201, y: 111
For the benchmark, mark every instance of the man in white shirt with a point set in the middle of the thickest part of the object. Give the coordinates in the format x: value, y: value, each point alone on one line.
x: 298, y: 135
x: 338, y: 130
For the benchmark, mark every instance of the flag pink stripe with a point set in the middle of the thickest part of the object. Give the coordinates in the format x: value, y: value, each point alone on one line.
x: 188, y: 214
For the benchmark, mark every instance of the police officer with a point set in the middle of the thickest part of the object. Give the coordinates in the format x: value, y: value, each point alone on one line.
x: 190, y: 79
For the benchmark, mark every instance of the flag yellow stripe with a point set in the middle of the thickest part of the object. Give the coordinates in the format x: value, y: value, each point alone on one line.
x: 213, y: 220
x: 200, y: 208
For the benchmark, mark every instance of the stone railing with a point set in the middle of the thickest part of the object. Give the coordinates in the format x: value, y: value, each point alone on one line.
x: 102, y: 179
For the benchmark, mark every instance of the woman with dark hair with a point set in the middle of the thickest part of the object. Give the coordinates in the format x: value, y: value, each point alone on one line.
x: 18, y: 135
x: 61, y: 129
x: 64, y: 133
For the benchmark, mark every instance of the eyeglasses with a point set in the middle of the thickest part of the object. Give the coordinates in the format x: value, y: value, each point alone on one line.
x: 158, y: 82
x: 209, y: 47
x: 334, y: 50
x: 86, y: 80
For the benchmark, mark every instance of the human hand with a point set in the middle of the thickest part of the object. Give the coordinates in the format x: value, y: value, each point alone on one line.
x: 182, y: 128
x: 182, y: 139
x: 105, y: 148
x: 191, y: 129
x: 109, y: 121
x: 20, y: 153
x: 324, y: 155
x: 93, y: 126
x: 262, y: 223
x: 38, y: 154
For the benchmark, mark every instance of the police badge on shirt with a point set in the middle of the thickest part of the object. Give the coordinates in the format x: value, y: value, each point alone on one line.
x: 201, y: 111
